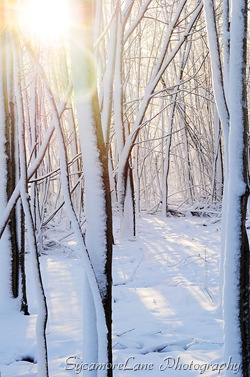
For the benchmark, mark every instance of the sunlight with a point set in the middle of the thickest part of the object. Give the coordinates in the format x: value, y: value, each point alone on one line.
x: 156, y: 302
x: 45, y: 20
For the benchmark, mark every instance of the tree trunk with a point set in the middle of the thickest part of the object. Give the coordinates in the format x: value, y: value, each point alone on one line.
x: 8, y: 150
x: 24, y: 301
x: 236, y: 285
x: 97, y: 190
x: 42, y: 315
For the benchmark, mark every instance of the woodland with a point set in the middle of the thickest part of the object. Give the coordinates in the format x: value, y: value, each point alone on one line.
x: 115, y: 114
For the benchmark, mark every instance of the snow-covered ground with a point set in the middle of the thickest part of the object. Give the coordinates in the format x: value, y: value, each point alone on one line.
x: 166, y: 319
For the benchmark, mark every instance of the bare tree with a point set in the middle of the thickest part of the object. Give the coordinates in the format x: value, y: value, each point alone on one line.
x: 231, y: 99
x: 97, y: 330
x: 13, y: 239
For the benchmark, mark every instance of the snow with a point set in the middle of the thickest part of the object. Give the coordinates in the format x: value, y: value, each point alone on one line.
x: 160, y: 68
x: 63, y: 282
x: 236, y: 184
x: 37, y: 280
x: 5, y: 260
x: 94, y: 206
x: 37, y: 161
x: 165, y: 312
x: 217, y: 79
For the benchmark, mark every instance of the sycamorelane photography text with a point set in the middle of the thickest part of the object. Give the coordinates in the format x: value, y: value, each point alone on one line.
x: 169, y: 362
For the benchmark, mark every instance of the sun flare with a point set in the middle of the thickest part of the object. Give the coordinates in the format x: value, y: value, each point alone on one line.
x: 45, y: 20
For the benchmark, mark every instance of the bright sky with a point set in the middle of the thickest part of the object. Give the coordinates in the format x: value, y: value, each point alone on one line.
x: 46, y: 20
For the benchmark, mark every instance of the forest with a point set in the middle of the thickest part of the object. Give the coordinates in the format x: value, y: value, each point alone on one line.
x: 124, y: 202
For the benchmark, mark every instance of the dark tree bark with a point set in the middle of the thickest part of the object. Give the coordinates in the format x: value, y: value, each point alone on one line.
x: 244, y: 303
x: 237, y: 262
x: 24, y: 301
x: 9, y: 127
x: 42, y: 314
x: 11, y: 184
x: 99, y: 238
x: 103, y: 156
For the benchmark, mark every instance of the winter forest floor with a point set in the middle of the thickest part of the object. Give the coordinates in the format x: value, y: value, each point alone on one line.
x: 166, y: 318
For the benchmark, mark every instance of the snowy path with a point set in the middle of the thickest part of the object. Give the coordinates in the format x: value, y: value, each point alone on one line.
x: 166, y: 291
x: 165, y: 305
